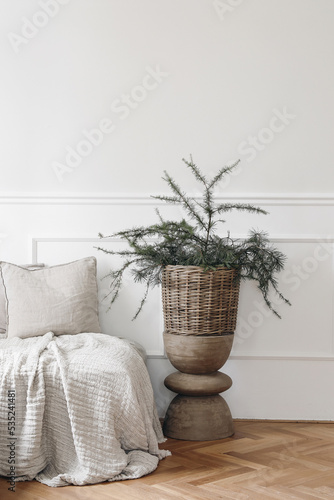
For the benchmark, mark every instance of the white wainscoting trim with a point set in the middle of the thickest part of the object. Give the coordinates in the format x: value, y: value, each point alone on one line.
x: 285, y: 238
x: 35, y: 240
x: 282, y: 357
x: 270, y: 199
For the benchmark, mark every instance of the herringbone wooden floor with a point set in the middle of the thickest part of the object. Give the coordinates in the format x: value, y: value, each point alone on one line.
x: 262, y: 461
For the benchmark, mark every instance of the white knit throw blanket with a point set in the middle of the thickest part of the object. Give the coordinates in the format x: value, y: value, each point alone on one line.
x: 84, y: 410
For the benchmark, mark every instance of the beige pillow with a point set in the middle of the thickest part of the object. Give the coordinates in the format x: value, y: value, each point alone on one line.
x: 3, y: 306
x: 62, y: 299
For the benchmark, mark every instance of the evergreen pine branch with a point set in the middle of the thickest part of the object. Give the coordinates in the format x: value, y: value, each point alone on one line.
x: 151, y: 248
x: 167, y: 199
x: 207, y: 205
x: 157, y: 211
x: 227, y: 207
x: 222, y: 172
x: 142, y: 302
x: 196, y: 171
x: 185, y: 201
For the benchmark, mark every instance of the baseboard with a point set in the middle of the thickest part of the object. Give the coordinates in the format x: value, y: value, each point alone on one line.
x: 284, y: 421
x: 274, y: 421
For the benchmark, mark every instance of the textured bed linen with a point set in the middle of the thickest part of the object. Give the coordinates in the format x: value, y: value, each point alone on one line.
x: 85, y: 411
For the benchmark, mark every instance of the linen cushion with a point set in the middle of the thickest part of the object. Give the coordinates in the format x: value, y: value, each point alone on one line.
x: 3, y: 306
x: 62, y: 299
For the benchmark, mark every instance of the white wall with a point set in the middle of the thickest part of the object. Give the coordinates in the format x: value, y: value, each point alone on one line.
x: 162, y: 79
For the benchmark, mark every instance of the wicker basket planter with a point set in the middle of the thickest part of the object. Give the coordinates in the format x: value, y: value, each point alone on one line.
x: 200, y: 312
x: 198, y: 302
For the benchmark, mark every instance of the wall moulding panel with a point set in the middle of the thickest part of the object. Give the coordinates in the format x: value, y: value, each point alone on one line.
x: 305, y: 331
x: 259, y: 334
x: 281, y: 389
x: 280, y: 199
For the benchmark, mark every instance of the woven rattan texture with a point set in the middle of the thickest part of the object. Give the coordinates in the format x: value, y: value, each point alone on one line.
x: 198, y: 302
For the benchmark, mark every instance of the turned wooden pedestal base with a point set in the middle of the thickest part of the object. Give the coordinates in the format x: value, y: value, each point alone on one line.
x: 198, y: 413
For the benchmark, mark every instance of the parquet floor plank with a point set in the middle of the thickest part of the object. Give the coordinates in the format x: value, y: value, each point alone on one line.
x: 303, y: 493
x: 326, y: 489
x: 219, y: 493
x: 262, y: 461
